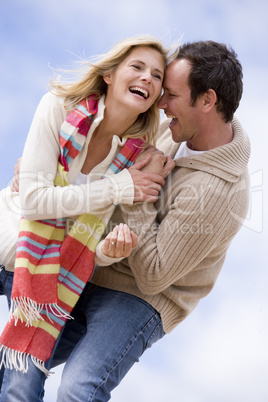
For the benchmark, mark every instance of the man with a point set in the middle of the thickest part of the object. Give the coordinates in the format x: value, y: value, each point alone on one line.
x: 183, y: 237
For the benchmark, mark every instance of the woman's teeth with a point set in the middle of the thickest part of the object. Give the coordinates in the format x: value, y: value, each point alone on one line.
x: 140, y: 91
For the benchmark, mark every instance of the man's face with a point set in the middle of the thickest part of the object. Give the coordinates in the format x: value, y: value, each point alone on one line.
x: 176, y: 102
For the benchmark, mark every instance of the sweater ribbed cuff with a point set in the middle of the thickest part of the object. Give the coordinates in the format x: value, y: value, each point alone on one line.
x: 104, y: 260
x: 123, y: 187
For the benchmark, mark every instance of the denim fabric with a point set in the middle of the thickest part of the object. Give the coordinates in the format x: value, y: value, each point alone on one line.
x: 19, y: 387
x: 6, y: 280
x: 109, y: 333
x: 25, y: 387
x: 120, y: 327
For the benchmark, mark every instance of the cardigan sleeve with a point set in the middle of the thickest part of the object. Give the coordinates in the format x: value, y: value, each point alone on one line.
x: 39, y: 198
x: 196, y: 227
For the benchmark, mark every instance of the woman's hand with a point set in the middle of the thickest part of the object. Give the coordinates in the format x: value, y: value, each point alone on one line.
x: 15, y: 182
x: 120, y: 242
x: 156, y: 161
x: 159, y: 163
x: 146, y: 185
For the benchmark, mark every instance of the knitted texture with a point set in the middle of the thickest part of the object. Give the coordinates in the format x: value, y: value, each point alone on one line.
x: 51, y: 271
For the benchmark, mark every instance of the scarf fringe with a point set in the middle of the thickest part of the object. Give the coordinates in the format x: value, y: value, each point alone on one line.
x: 15, y: 360
x: 29, y: 311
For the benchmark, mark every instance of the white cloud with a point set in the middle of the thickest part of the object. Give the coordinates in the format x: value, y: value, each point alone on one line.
x: 219, y: 353
x: 212, y: 357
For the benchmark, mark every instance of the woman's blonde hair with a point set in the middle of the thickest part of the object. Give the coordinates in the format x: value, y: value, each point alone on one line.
x: 92, y: 82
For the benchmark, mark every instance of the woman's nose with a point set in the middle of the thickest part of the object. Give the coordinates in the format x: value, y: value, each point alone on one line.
x: 146, y: 76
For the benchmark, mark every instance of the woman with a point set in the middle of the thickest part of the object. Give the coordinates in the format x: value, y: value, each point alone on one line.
x: 67, y: 170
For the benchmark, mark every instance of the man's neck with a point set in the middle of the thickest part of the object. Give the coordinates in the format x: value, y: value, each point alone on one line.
x: 212, y: 137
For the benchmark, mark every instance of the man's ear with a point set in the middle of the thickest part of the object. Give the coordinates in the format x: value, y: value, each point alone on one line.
x: 209, y: 100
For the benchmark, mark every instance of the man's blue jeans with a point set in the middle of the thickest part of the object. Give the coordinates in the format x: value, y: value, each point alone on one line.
x: 109, y: 333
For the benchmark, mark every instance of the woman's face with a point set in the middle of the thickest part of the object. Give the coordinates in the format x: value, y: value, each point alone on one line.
x: 137, y: 82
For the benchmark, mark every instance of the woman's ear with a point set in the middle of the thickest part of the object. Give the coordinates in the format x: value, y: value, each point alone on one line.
x: 209, y: 99
x: 107, y: 79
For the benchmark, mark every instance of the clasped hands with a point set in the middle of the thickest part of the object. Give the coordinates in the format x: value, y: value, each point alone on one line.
x: 148, y: 174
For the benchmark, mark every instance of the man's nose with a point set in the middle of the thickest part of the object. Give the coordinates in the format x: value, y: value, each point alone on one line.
x: 162, y: 104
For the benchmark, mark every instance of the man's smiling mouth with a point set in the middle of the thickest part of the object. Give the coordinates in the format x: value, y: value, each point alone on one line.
x: 173, y: 121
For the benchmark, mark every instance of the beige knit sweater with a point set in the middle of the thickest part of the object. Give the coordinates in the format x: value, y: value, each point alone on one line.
x: 184, y: 237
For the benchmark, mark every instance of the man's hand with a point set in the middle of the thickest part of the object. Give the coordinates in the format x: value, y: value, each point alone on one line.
x: 15, y: 182
x: 120, y: 242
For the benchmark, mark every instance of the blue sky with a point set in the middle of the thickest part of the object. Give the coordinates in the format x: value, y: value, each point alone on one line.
x: 220, y: 352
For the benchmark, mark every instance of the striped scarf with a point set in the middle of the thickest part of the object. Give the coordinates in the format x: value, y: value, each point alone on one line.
x: 51, y: 271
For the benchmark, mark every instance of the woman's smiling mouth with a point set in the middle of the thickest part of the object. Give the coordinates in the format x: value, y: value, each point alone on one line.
x: 140, y: 91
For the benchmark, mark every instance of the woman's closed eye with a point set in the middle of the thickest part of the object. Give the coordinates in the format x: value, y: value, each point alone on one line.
x: 136, y: 66
x: 157, y: 76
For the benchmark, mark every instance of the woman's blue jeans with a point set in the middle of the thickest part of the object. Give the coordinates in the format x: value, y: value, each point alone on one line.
x: 109, y: 333
x: 6, y: 281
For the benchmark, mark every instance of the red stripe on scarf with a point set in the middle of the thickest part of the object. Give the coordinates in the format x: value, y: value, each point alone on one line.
x: 68, y: 258
x: 38, y: 250
x: 72, y: 151
x: 30, y: 340
x: 36, y: 286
